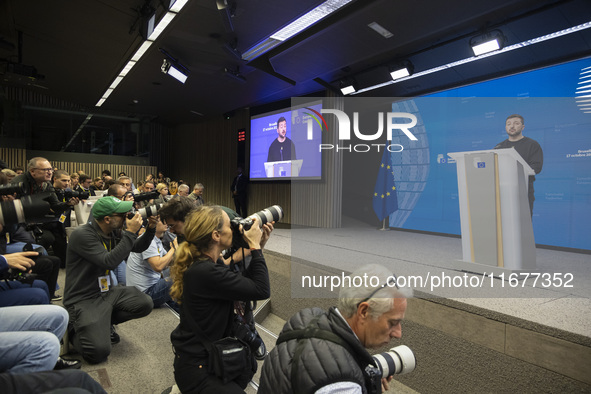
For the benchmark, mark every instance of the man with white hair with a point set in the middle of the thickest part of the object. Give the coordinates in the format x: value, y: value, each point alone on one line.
x: 183, y: 190
x: 325, y: 352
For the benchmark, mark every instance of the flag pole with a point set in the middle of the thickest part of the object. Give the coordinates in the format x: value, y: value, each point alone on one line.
x: 384, y: 228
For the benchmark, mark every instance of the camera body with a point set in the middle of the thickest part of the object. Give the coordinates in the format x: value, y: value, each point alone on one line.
x: 244, y: 333
x: 21, y: 276
x: 271, y: 214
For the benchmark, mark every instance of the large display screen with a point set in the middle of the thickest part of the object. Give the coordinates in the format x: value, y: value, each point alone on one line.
x: 557, y: 115
x: 284, y: 144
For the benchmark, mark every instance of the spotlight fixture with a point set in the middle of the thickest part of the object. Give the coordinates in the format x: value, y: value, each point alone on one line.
x: 231, y: 48
x: 227, y: 10
x: 172, y: 67
x: 235, y: 74
x: 487, y: 42
x: 348, y: 86
x: 175, y: 70
x: 401, y: 70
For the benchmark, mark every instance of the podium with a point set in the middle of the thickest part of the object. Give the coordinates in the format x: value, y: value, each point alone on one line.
x: 280, y: 169
x: 497, y: 233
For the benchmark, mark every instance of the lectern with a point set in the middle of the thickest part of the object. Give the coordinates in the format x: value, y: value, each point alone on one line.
x: 497, y: 233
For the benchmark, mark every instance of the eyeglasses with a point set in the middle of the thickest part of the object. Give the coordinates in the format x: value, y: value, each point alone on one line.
x: 391, y: 282
x: 45, y: 169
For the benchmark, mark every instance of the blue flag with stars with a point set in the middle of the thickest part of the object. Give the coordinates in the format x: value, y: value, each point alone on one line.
x: 385, y: 197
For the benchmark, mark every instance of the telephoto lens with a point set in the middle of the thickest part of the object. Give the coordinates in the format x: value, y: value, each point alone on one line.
x: 146, y: 196
x: 398, y: 361
x: 150, y: 210
x: 271, y: 214
x: 18, y: 188
x: 28, y: 209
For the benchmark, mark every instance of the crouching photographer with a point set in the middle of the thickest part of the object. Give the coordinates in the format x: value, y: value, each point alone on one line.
x: 208, y: 356
x: 325, y: 351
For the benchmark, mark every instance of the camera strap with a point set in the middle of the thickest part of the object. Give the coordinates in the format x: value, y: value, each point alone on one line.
x: 313, y: 331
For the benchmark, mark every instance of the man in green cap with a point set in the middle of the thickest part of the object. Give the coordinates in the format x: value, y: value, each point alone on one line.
x: 94, y: 250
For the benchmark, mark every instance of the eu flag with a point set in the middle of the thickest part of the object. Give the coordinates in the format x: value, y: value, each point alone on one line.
x: 385, y: 198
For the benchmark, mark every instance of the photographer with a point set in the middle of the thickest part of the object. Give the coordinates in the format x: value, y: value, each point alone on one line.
x: 91, y: 300
x: 54, y: 233
x: 367, y: 317
x: 38, y: 180
x: 207, y: 293
x: 14, y: 239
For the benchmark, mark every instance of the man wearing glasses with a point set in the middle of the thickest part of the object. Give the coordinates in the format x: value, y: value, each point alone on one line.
x: 38, y: 180
x: 92, y: 301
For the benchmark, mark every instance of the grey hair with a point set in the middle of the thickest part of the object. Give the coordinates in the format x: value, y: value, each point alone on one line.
x: 34, y: 161
x: 362, y: 283
x: 198, y: 186
x: 183, y: 187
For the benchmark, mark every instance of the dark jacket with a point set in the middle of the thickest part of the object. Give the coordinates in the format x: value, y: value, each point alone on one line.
x: 209, y: 292
x: 91, y: 254
x: 322, y: 362
x: 239, y: 185
x: 31, y: 187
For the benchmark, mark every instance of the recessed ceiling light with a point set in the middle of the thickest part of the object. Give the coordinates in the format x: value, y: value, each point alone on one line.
x: 380, y: 30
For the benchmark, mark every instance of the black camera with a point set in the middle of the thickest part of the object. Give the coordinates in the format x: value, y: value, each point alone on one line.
x: 150, y: 210
x: 73, y: 193
x: 241, y: 331
x: 18, y: 188
x: 28, y: 209
x: 21, y: 276
x: 271, y: 214
x: 146, y: 196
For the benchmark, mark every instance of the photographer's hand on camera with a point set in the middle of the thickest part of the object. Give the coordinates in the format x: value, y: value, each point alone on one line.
x: 134, y: 224
x: 174, y: 244
x: 152, y: 221
x: 73, y: 201
x: 253, y: 235
x: 267, y: 230
x: 20, y: 260
x: 386, y: 383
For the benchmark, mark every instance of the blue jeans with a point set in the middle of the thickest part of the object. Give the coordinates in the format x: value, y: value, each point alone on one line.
x: 30, y: 337
x: 160, y: 292
x: 16, y: 293
x: 120, y: 274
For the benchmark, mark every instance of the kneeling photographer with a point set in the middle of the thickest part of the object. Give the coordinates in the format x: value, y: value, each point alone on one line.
x: 325, y: 351
x: 207, y: 291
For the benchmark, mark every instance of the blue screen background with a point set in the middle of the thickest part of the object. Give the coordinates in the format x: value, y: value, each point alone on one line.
x: 263, y: 131
x: 473, y: 118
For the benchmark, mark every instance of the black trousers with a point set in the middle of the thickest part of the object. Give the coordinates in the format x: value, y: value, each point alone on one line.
x: 240, y: 203
x: 47, y: 269
x: 74, y: 381
x: 54, y: 235
x: 191, y: 376
x: 92, y: 319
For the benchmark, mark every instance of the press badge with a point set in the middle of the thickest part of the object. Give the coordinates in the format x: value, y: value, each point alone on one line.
x: 62, y: 218
x: 104, y: 283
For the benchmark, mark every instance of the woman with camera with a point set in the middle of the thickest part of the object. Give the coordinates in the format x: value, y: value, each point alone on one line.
x: 207, y: 290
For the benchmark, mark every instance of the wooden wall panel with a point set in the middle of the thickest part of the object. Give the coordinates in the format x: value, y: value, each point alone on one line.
x: 18, y: 158
x: 14, y: 157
